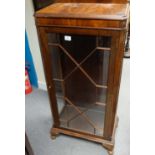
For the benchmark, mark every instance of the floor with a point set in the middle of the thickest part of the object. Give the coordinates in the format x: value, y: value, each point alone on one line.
x: 38, y: 124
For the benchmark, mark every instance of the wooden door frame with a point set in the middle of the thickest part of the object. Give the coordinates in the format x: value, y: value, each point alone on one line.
x: 115, y: 67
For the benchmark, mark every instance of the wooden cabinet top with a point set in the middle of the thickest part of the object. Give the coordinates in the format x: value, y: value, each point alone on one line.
x: 85, y: 11
x: 92, y: 1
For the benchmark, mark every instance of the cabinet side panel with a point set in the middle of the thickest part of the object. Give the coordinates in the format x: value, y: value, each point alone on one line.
x: 48, y: 74
x: 115, y: 70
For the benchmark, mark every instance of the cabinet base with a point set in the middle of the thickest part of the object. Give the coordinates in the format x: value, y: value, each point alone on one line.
x: 108, y: 145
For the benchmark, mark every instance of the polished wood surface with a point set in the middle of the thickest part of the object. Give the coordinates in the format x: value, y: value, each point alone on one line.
x: 85, y: 11
x: 92, y: 1
x: 114, y: 16
x: 99, y: 22
x: 89, y: 24
x: 48, y: 76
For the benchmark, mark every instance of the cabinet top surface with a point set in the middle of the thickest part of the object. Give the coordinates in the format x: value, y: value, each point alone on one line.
x: 108, y: 11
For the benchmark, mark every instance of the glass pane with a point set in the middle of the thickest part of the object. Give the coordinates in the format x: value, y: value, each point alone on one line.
x: 97, y: 66
x: 80, y: 74
x: 77, y: 46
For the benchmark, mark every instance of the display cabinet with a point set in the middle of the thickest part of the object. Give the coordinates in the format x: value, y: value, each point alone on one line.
x: 82, y: 47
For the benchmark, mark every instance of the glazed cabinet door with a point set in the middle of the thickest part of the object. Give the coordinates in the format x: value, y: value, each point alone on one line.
x: 79, y: 74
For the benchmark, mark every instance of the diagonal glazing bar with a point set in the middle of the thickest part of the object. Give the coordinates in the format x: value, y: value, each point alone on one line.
x: 76, y: 116
x: 80, y: 63
x: 82, y: 114
x: 74, y: 61
x: 78, y: 66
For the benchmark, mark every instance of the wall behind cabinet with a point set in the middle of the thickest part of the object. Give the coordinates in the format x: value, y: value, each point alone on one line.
x: 33, y: 42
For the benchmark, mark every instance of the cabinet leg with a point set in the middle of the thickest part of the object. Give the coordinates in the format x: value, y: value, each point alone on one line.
x: 109, y: 148
x: 110, y: 152
x: 54, y: 135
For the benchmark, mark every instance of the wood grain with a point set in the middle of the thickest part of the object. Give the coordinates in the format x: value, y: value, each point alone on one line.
x: 85, y: 11
x: 94, y: 20
x: 92, y: 1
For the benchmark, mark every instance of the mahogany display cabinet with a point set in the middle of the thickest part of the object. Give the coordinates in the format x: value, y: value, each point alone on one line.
x: 82, y: 47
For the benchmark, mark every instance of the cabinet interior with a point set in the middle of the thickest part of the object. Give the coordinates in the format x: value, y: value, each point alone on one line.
x: 80, y: 74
